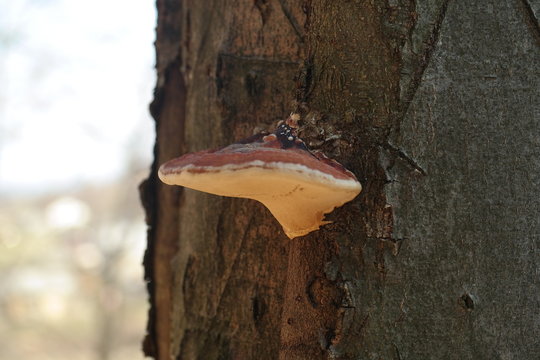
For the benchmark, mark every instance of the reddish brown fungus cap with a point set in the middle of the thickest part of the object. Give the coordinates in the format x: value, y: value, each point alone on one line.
x: 297, y: 186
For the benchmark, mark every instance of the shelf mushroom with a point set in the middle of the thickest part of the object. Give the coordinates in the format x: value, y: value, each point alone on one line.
x: 297, y: 186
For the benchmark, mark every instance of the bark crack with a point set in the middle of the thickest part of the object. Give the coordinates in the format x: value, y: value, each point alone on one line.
x: 234, y: 264
x: 402, y: 155
x: 206, y: 30
x: 258, y: 58
x: 531, y: 19
x: 424, y: 60
x: 296, y: 27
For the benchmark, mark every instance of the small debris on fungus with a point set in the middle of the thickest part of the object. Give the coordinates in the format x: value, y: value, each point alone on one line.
x: 297, y: 185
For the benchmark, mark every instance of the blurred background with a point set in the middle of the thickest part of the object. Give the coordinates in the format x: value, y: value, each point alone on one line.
x: 76, y: 139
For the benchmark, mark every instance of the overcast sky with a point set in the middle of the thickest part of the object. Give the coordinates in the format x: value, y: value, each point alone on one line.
x: 76, y: 78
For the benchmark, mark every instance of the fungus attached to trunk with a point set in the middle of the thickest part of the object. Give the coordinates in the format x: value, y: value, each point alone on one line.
x: 297, y: 186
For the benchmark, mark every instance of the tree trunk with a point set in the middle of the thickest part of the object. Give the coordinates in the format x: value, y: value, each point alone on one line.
x: 432, y: 104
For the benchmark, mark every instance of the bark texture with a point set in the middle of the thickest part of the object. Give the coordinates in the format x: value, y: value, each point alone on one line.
x: 432, y: 104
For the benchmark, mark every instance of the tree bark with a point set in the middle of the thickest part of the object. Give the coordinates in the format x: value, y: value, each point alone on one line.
x: 432, y: 104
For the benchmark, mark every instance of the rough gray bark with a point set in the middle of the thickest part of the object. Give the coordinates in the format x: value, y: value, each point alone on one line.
x: 467, y: 271
x: 433, y: 104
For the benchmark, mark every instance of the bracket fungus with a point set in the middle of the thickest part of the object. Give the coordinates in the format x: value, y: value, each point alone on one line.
x: 297, y: 185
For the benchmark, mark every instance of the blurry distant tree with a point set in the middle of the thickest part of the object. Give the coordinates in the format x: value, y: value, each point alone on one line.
x: 432, y: 104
